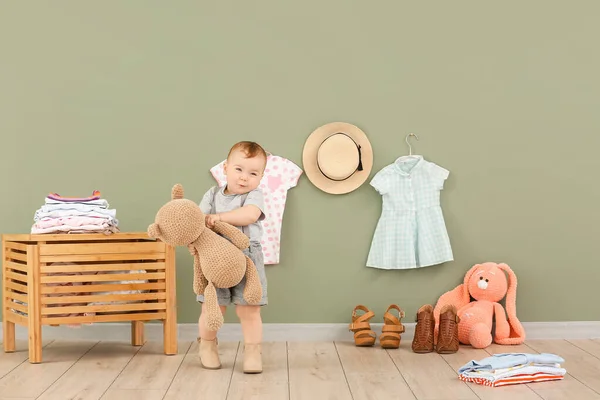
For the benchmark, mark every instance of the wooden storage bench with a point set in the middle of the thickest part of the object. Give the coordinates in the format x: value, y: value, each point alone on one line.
x: 60, y: 279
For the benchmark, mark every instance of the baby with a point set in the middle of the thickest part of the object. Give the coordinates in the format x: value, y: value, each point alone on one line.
x: 241, y: 204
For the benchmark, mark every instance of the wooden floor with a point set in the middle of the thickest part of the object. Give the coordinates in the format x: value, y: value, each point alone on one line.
x: 293, y: 370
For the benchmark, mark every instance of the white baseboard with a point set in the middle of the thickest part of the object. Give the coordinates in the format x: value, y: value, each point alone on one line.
x: 291, y: 332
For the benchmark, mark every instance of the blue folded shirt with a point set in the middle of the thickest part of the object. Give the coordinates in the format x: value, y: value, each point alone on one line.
x: 507, y: 360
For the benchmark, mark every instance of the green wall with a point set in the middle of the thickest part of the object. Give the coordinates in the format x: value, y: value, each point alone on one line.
x: 132, y: 97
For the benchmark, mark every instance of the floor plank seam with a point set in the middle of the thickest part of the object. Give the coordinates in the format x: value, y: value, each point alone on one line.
x: 568, y: 373
x: 177, y: 370
x: 21, y: 363
x: 583, y: 383
x: 12, y: 369
x: 343, y: 370
x: 528, y: 385
x: 401, y: 374
x: 121, y: 371
x: 232, y: 370
x: 587, y: 352
x: 67, y: 370
x: 456, y: 372
x: 582, y: 349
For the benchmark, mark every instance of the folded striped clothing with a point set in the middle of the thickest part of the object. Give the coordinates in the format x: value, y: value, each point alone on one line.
x: 513, y: 368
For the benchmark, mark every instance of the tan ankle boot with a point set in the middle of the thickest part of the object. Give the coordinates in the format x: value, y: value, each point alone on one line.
x: 447, y: 342
x: 252, y: 358
x: 209, y: 353
x: 424, y: 331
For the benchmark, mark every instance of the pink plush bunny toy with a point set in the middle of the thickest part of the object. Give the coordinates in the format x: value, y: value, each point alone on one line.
x: 487, y: 284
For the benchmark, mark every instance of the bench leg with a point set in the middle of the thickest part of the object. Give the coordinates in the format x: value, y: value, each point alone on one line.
x: 35, y: 341
x: 34, y: 315
x: 137, y: 333
x: 170, y: 321
x: 170, y: 336
x: 8, y: 331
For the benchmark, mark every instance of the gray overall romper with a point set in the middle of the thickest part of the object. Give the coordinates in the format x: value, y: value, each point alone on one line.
x: 235, y: 295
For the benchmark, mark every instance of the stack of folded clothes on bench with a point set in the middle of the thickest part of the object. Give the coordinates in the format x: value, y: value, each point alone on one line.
x: 62, y: 214
x: 513, y: 368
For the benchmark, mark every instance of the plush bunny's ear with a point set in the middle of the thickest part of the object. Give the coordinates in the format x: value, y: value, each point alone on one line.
x: 177, y: 192
x: 154, y: 231
x: 517, y: 332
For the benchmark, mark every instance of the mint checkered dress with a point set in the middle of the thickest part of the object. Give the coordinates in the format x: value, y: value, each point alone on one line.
x: 411, y: 231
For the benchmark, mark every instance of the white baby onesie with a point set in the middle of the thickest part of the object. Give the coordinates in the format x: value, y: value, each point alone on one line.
x: 280, y: 175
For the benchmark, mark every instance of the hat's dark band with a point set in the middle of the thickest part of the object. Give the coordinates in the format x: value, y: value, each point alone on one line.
x: 358, y: 168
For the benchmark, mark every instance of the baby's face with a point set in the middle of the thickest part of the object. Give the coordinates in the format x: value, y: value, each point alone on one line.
x: 243, y: 174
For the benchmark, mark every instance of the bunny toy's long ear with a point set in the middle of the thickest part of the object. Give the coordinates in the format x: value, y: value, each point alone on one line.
x: 517, y: 332
x: 177, y: 192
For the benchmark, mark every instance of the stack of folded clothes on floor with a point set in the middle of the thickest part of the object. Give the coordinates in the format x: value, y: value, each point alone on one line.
x: 75, y: 215
x: 513, y: 368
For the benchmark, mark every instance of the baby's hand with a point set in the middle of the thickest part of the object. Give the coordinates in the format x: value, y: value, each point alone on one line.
x: 211, y: 219
x: 192, y: 249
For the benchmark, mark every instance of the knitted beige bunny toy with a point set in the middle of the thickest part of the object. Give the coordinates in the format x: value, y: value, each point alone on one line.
x: 218, y: 262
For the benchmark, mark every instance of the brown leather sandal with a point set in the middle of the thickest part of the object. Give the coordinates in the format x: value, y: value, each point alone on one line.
x: 392, y: 328
x: 363, y: 334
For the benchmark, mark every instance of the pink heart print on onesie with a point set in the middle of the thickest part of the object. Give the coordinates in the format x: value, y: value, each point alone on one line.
x: 280, y: 176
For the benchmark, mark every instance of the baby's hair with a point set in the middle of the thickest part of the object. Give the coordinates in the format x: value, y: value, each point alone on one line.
x: 251, y: 149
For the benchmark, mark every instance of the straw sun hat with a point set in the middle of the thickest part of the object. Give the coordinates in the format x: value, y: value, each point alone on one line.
x: 337, y: 157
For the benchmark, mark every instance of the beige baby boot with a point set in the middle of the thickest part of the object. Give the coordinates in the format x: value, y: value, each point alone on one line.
x: 252, y: 358
x: 209, y: 353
